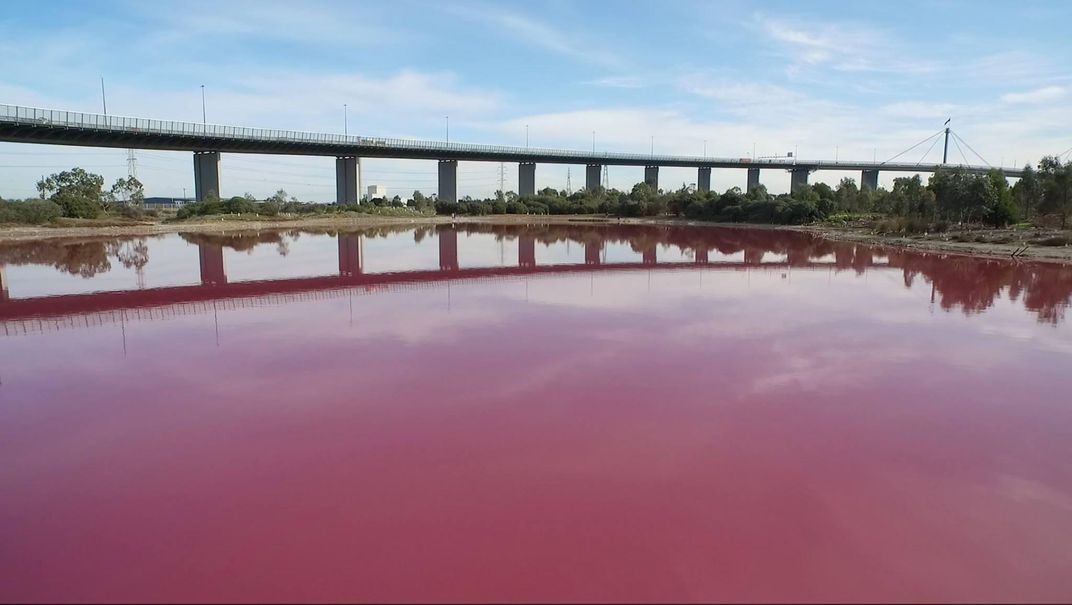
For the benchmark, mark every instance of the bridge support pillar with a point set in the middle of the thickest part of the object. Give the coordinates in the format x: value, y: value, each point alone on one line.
x: 592, y: 177
x: 526, y: 179
x: 799, y: 178
x: 212, y: 269
x: 351, y: 255
x: 701, y: 256
x: 448, y: 249
x: 651, y: 176
x: 650, y: 254
x: 703, y: 179
x: 753, y: 179
x: 448, y: 181
x: 526, y: 250
x: 346, y: 180
x: 869, y: 180
x: 206, y: 174
x: 593, y: 253
x: 753, y: 256
x: 4, y: 295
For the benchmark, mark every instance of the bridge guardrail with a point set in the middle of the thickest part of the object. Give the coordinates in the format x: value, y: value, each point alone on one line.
x: 99, y: 122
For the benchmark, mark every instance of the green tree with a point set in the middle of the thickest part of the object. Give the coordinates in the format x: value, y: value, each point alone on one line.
x: 1056, y: 188
x: 128, y: 191
x: 76, y: 191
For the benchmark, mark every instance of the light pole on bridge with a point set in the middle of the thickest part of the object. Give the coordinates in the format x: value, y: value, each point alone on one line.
x: 204, y: 120
x: 345, y: 127
x: 448, y: 128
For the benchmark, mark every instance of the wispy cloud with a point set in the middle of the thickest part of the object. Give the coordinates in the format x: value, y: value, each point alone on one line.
x: 619, y: 82
x: 1046, y: 94
x: 841, y: 46
x: 532, y: 31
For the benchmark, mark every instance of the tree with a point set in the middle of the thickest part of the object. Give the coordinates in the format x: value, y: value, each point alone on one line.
x: 1028, y: 192
x: 1056, y: 188
x: 128, y: 191
x: 76, y: 191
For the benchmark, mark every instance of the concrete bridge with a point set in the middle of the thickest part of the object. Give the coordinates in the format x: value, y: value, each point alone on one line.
x: 207, y: 141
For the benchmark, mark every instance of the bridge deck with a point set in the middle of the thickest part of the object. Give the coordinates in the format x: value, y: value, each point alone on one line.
x: 57, y: 127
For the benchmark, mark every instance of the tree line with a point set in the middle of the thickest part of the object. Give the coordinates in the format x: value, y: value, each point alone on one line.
x: 1043, y: 195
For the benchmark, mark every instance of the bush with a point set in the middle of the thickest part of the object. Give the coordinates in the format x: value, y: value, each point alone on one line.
x: 30, y: 212
x: 76, y: 206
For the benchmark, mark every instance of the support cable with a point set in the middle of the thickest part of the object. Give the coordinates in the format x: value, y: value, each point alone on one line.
x: 913, y: 147
x: 929, y: 149
x: 963, y: 156
x: 972, y: 150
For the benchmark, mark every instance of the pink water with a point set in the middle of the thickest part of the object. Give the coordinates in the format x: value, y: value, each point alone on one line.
x: 461, y: 415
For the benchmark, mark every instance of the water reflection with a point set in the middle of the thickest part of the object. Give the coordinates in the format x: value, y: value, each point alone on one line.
x: 967, y: 284
x: 570, y: 412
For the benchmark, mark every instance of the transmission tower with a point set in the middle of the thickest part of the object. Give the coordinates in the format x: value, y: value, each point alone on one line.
x: 502, y: 177
x: 569, y: 183
x: 606, y: 177
x: 132, y: 164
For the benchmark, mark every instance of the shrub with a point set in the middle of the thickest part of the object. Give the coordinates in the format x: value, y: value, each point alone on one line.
x: 30, y: 212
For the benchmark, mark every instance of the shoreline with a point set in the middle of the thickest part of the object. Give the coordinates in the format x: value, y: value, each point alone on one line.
x: 924, y: 243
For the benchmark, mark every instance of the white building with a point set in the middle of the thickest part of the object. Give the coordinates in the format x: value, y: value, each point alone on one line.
x: 376, y: 191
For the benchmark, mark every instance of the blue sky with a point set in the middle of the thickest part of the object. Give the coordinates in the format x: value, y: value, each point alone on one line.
x: 852, y: 79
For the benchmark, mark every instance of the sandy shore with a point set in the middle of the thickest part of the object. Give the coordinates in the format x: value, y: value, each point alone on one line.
x: 1012, y: 241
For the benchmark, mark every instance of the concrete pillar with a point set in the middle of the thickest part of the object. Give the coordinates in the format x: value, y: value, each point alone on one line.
x: 701, y: 256
x: 869, y: 180
x: 753, y: 256
x: 206, y: 174
x: 799, y: 178
x: 448, y: 249
x: 753, y: 179
x: 526, y: 250
x: 526, y: 179
x: 593, y: 177
x: 448, y: 181
x: 4, y: 294
x: 650, y: 254
x: 593, y: 253
x: 346, y: 181
x: 351, y: 254
x: 212, y: 270
x: 651, y: 176
x: 703, y: 179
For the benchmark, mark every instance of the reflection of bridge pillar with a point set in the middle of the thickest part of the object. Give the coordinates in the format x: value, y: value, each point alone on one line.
x: 448, y: 181
x: 753, y: 179
x: 346, y: 182
x: 651, y: 176
x: 592, y: 177
x: 753, y: 256
x: 592, y: 251
x: 526, y: 179
x: 351, y: 255
x: 701, y: 256
x: 448, y: 249
x: 869, y: 180
x: 206, y: 174
x: 212, y: 270
x: 649, y: 255
x: 798, y: 178
x: 526, y: 250
x: 4, y: 295
x: 703, y: 179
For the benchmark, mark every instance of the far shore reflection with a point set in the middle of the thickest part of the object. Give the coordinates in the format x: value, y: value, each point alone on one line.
x: 957, y: 283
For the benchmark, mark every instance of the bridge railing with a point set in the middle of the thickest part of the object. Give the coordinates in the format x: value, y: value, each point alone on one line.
x: 356, y: 144
x: 99, y: 122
